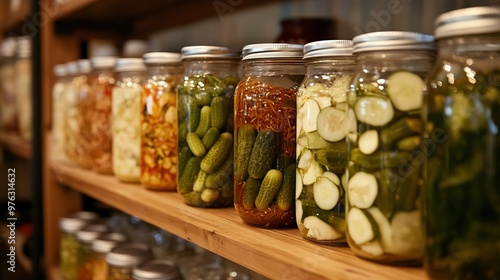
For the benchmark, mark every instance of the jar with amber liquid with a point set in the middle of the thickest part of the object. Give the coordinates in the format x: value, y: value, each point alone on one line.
x: 85, y: 108
x: 99, y: 248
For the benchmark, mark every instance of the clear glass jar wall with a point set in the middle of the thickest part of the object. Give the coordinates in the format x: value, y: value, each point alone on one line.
x: 84, y: 109
x: 58, y: 111
x: 22, y: 69
x: 71, y: 130
x: 8, y: 112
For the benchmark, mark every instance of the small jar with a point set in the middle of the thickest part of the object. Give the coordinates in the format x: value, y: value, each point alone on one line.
x: 69, y: 246
x: 58, y: 111
x: 84, y: 107
x: 8, y: 113
x: 265, y: 113
x: 124, y: 258
x: 71, y: 130
x: 100, y: 247
x: 157, y: 270
x: 205, y: 117
x: 126, y: 119
x: 321, y: 145
x: 462, y: 189
x: 159, y: 121
x: 101, y: 87
x: 384, y: 165
x: 85, y: 236
x: 23, y: 80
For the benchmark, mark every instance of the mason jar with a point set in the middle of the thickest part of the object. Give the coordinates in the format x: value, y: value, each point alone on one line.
x: 85, y: 236
x: 384, y: 146
x: 321, y: 145
x: 58, y: 111
x: 100, y: 247
x: 265, y: 134
x: 157, y: 270
x: 23, y: 87
x: 8, y: 112
x: 71, y: 130
x: 158, y: 120
x: 84, y: 109
x: 124, y: 258
x: 126, y: 119
x: 462, y: 190
x: 101, y: 87
x: 205, y: 125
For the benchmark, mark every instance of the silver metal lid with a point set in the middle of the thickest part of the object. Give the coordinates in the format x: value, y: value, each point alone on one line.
x: 157, y: 270
x: 208, y: 52
x: 74, y: 222
x: 468, y: 21
x: 327, y: 48
x: 23, y: 48
x: 90, y: 232
x: 72, y: 67
x: 130, y: 64
x: 107, y: 241
x: 272, y: 50
x: 8, y: 48
x: 162, y: 58
x: 60, y: 70
x: 128, y: 254
x: 393, y: 40
x: 84, y: 66
x: 99, y: 62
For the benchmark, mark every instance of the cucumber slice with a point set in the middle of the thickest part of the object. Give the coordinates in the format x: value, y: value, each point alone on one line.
x: 362, y: 190
x: 373, y: 248
x: 384, y: 228
x: 333, y: 177
x: 407, y: 234
x: 368, y: 142
x: 323, y: 101
x: 352, y: 126
x: 302, y: 139
x: 319, y: 230
x: 326, y: 193
x: 314, y: 141
x: 405, y: 90
x: 298, y: 210
x: 374, y: 111
x: 309, y: 114
x: 298, y: 184
x: 342, y: 106
x: 332, y: 124
x: 310, y: 174
x: 305, y: 160
x: 360, y: 226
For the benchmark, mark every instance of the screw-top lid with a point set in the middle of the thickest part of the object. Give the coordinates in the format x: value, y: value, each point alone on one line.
x: 72, y: 67
x: 23, y: 47
x: 74, y: 222
x: 60, y: 70
x: 157, y: 270
x: 130, y: 64
x: 327, y: 48
x: 393, y: 40
x: 272, y: 50
x: 99, y: 62
x: 84, y: 66
x: 129, y: 254
x: 468, y: 21
x: 107, y: 241
x: 88, y: 233
x: 208, y: 52
x: 162, y: 58
x: 8, y: 48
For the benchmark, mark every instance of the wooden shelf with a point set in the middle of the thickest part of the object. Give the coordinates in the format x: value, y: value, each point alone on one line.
x: 278, y: 254
x: 15, y: 145
x: 54, y: 273
x: 13, y: 20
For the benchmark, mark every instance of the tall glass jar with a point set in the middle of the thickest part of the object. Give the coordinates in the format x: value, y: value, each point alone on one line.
x: 100, y: 247
x: 205, y: 113
x: 265, y: 132
x: 58, y: 111
x: 85, y: 236
x: 126, y: 119
x: 158, y: 119
x: 321, y: 145
x: 384, y: 153
x: 84, y: 109
x: 462, y: 190
x: 8, y: 116
x: 124, y: 258
x: 101, y: 87
x: 157, y: 270
x: 70, y: 115
x: 23, y: 87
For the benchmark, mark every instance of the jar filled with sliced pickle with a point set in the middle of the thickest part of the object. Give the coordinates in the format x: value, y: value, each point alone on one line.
x: 158, y: 120
x: 58, y: 111
x: 85, y: 236
x: 99, y: 248
x: 384, y: 163
x: 123, y: 258
x: 23, y: 87
x: 71, y: 130
x: 462, y: 191
x: 101, y: 87
x: 8, y: 113
x: 265, y: 134
x: 126, y: 119
x: 321, y: 145
x: 84, y: 107
x: 205, y: 131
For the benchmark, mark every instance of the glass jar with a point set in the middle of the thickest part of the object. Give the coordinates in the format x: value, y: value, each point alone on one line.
x: 23, y: 90
x: 321, y: 144
x: 265, y: 113
x: 58, y: 111
x: 70, y: 115
x: 157, y: 270
x: 205, y: 119
x: 385, y: 105
x: 126, y: 119
x: 8, y: 116
x: 85, y: 236
x: 99, y: 248
x: 124, y: 258
x: 158, y: 119
x: 69, y: 246
x: 101, y: 87
x: 84, y: 109
x: 462, y: 190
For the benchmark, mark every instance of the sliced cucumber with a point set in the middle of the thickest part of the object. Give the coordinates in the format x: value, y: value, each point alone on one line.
x: 407, y: 234
x: 332, y: 124
x: 360, y: 226
x: 373, y: 248
x: 352, y: 126
x: 342, y: 106
x: 368, y: 142
x: 298, y: 210
x: 305, y: 160
x: 374, y: 111
x: 301, y: 139
x: 384, y: 228
x: 310, y: 112
x: 332, y: 176
x: 326, y: 193
x: 314, y: 141
x: 319, y: 230
x: 323, y: 101
x: 405, y: 90
x: 298, y: 184
x: 362, y: 190
x: 310, y: 174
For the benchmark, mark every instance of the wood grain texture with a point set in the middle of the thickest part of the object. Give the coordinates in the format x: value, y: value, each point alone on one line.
x: 15, y: 145
x: 277, y: 254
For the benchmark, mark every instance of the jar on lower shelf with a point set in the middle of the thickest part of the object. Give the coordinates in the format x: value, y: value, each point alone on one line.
x: 157, y: 270
x: 85, y: 236
x: 100, y: 247
x: 124, y: 258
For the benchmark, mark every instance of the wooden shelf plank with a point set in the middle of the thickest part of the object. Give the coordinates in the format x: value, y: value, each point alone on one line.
x: 13, y: 20
x: 15, y: 145
x: 278, y: 254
